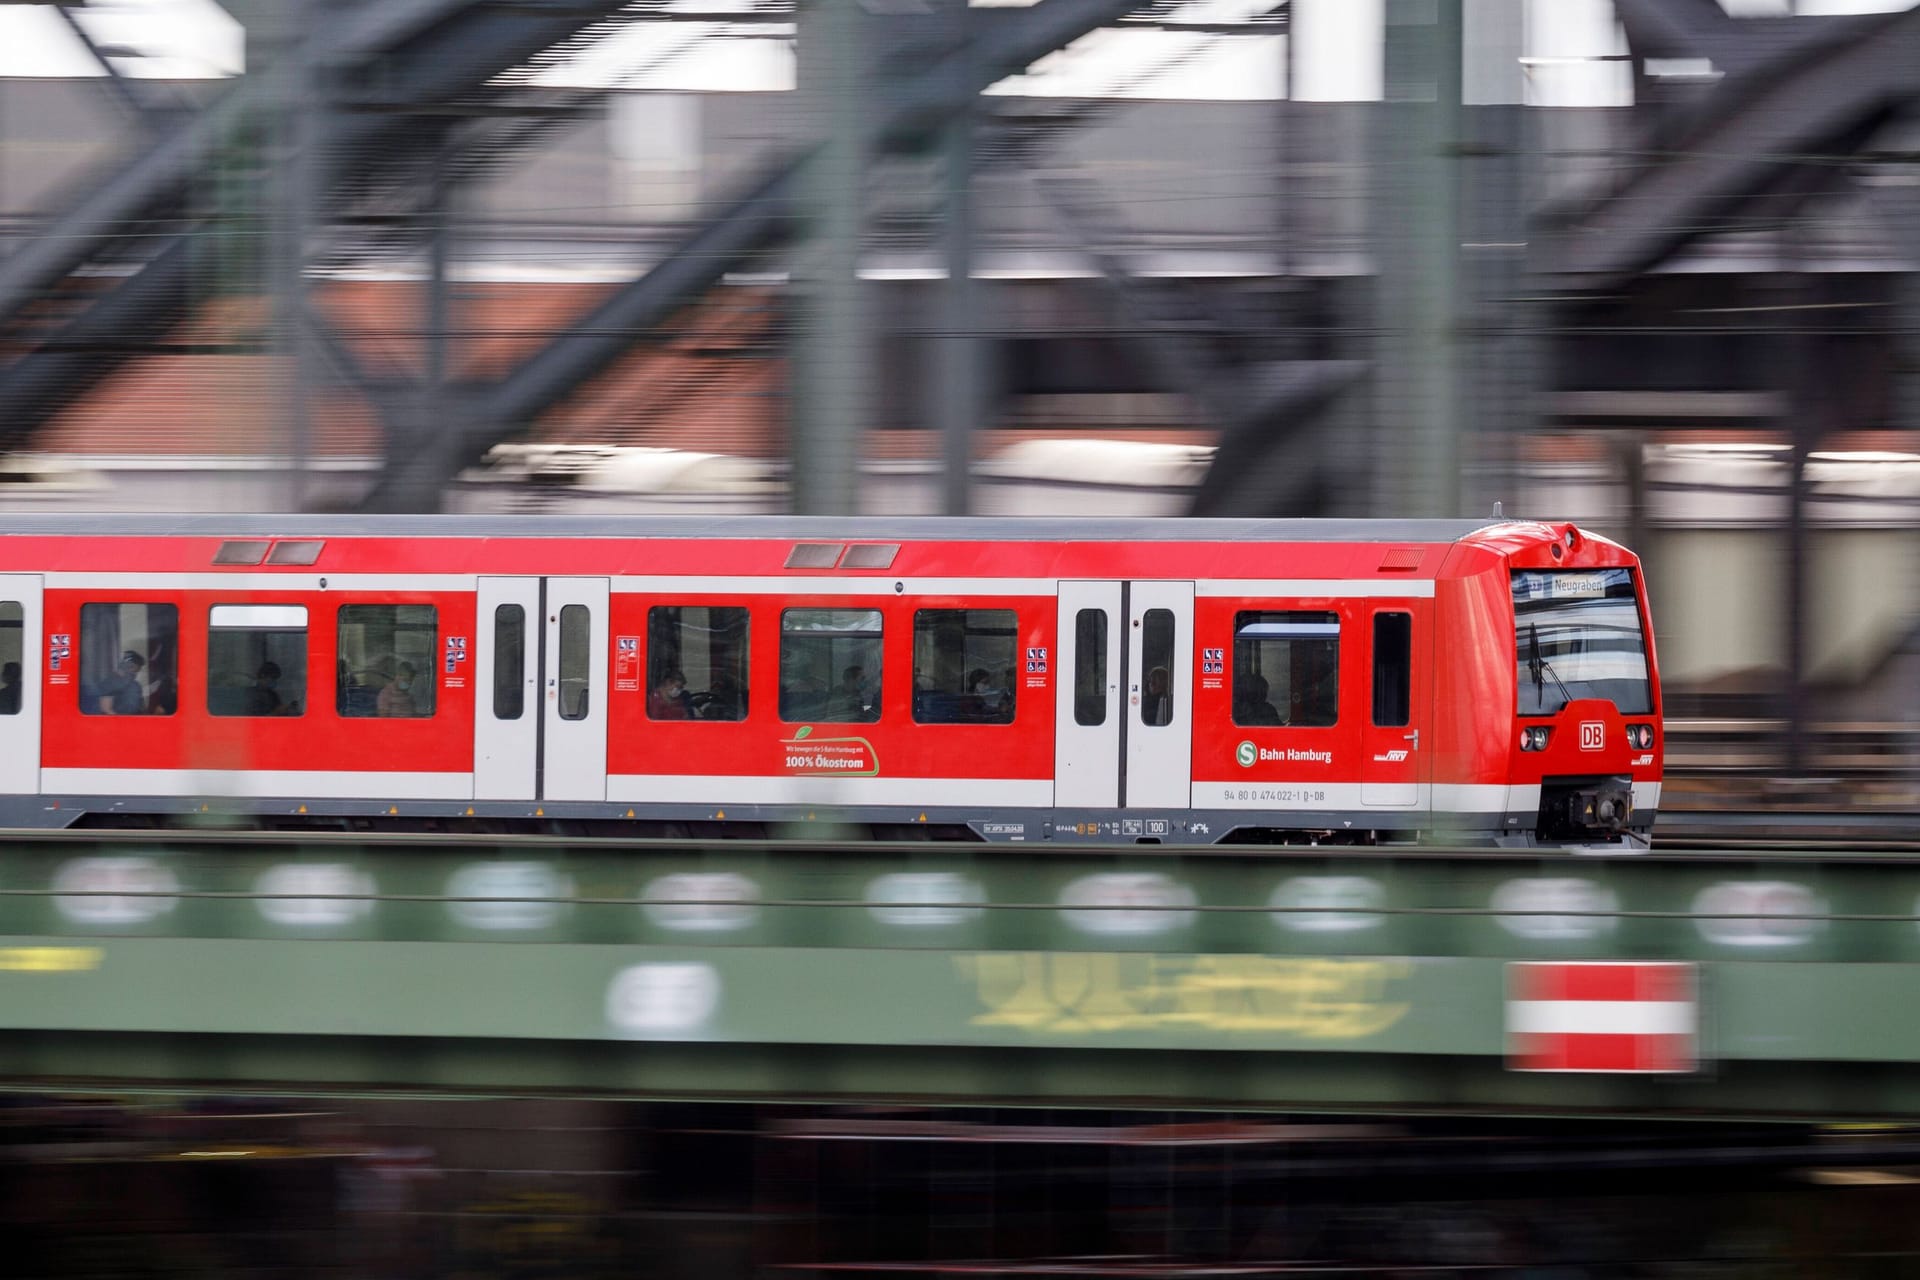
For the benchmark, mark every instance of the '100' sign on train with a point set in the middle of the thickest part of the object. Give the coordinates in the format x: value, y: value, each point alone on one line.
x: 1181, y: 682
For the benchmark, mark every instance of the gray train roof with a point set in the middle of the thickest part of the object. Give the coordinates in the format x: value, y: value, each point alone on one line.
x: 905, y: 529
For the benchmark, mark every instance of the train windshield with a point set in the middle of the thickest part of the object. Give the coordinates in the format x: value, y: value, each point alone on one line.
x: 1578, y: 636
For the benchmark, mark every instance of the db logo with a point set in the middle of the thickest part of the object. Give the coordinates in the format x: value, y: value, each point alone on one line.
x: 1593, y: 735
x: 1246, y: 753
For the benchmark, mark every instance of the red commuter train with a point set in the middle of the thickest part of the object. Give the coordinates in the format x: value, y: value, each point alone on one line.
x: 1171, y: 681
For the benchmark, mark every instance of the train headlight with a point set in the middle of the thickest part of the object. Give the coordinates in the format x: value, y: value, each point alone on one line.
x: 1640, y: 737
x: 1534, y: 737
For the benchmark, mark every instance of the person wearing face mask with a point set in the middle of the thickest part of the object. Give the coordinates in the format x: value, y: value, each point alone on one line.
x: 668, y: 699
x: 396, y: 699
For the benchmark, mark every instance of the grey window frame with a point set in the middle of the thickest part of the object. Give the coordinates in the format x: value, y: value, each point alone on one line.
x: 216, y: 627
x: 741, y: 669
x: 1154, y: 646
x: 876, y: 637
x: 517, y: 686
x: 1289, y: 624
x: 426, y: 670
x: 87, y: 687
x: 1402, y: 672
x: 1574, y: 639
x: 16, y: 626
x: 575, y: 645
x: 927, y: 620
x: 1096, y: 672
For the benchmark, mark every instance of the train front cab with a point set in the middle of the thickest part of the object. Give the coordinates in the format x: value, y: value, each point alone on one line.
x: 1584, y: 734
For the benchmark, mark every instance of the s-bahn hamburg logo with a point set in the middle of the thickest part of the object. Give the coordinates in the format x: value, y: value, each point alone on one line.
x: 1247, y: 755
x: 828, y: 757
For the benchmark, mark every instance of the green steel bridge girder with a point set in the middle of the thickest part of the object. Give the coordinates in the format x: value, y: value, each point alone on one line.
x: 1309, y: 978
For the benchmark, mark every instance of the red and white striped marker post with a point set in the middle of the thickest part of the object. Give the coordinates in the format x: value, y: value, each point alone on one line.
x: 1607, y: 1015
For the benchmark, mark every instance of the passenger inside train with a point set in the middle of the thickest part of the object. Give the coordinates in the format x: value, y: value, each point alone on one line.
x: 956, y: 655
x: 262, y: 698
x: 380, y: 646
x: 1156, y: 708
x: 668, y: 699
x: 1250, y: 705
x: 163, y: 694
x: 126, y: 656
x: 121, y: 693
x: 396, y: 699
x: 697, y: 662
x: 850, y: 700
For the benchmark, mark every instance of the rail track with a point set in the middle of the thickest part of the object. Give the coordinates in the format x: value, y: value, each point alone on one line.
x: 1732, y: 783
x: 1681, y: 843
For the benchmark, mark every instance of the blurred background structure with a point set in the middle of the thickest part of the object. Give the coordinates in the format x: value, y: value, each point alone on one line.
x: 1648, y: 264
x: 585, y: 1188
x: 1652, y: 265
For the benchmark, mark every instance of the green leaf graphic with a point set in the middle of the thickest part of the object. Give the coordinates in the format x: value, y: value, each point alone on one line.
x: 802, y: 732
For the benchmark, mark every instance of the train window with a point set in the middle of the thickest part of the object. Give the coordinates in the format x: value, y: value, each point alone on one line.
x: 386, y: 661
x: 509, y: 662
x: 576, y: 675
x: 830, y: 665
x: 129, y: 659
x: 12, y: 654
x: 1090, y: 667
x: 964, y: 666
x: 1392, y: 668
x: 1156, y: 659
x: 1577, y: 635
x: 1286, y: 668
x: 696, y: 663
x: 257, y: 660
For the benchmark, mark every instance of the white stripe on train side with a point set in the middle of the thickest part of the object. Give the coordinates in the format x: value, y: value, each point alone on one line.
x: 1309, y: 588
x: 1408, y: 589
x: 301, y: 580
x: 722, y: 584
x: 800, y: 585
x: 257, y: 784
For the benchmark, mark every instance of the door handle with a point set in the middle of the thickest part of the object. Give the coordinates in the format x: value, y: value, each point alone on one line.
x: 1414, y: 738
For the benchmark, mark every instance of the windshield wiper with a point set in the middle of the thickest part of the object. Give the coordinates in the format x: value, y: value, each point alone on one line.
x: 1539, y: 668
